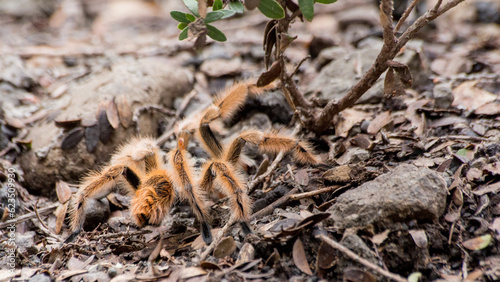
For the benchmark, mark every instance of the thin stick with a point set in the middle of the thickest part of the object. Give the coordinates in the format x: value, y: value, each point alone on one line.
x: 126, y: 233
x: 253, y: 184
x: 216, y: 241
x: 361, y: 260
x: 405, y: 15
x: 317, y: 192
x: 45, y: 228
x: 278, y: 203
x: 29, y: 216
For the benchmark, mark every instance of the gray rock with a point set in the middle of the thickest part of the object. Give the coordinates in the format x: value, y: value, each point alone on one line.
x: 404, y: 194
x: 26, y: 242
x: 96, y: 211
x: 353, y: 155
x: 143, y: 82
x: 442, y: 95
x: 94, y: 276
x: 356, y: 244
x: 40, y: 278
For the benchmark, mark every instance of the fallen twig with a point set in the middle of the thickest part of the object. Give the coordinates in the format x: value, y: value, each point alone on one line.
x: 320, y: 119
x: 359, y: 259
x: 45, y: 228
x: 253, y: 184
x: 29, y: 216
x: 216, y: 241
x: 317, y: 192
x: 269, y: 209
x: 120, y: 234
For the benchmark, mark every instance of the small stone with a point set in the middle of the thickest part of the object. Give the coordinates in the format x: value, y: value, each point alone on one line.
x: 112, y: 272
x: 96, y: 211
x: 478, y: 163
x: 442, y: 95
x: 353, y: 155
x: 406, y: 193
x: 40, y: 278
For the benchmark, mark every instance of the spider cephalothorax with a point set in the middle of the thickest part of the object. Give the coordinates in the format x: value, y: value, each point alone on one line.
x: 138, y: 168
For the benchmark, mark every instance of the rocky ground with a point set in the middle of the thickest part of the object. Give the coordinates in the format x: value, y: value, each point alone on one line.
x: 407, y: 187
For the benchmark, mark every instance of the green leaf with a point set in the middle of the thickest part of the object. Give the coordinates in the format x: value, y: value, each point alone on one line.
x: 213, y: 16
x: 227, y: 13
x: 215, y: 34
x: 182, y: 26
x: 179, y: 16
x: 217, y: 5
x: 271, y: 9
x: 190, y: 17
x: 236, y: 6
x: 192, y: 5
x: 462, y: 152
x: 184, y: 34
x: 307, y: 8
x: 325, y: 1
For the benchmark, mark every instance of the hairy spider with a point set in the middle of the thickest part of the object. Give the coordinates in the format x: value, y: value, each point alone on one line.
x: 138, y: 168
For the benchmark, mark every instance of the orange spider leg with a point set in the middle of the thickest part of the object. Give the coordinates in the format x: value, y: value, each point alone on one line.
x: 223, y: 175
x: 187, y: 191
x: 97, y: 186
x: 273, y: 142
x: 153, y: 199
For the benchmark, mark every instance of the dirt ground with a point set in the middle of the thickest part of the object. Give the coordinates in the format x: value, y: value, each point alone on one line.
x: 406, y: 187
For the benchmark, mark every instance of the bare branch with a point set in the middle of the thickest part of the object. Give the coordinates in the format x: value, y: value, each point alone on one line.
x: 405, y: 15
x: 320, y: 122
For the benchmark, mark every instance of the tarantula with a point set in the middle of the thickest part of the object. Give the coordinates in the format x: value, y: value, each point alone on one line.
x: 138, y: 168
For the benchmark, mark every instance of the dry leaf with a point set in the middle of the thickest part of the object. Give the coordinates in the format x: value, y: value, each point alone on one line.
x: 273, y: 258
x: 353, y: 274
x: 92, y: 137
x: 478, y: 243
x: 493, y: 168
x: 112, y: 114
x: 348, y: 118
x: 299, y: 257
x: 246, y: 254
x: 339, y: 174
x: 210, y: 266
x: 68, y: 124
x: 379, y: 122
x: 470, y: 97
x: 476, y: 275
x: 419, y: 237
x: 226, y: 247
x: 492, y: 188
x: 380, y: 238
x: 326, y: 256
x: 72, y: 139
x: 361, y: 141
x: 252, y: 4
x: 403, y: 73
x: 489, y: 109
x: 301, y: 177
x: 65, y: 274
x: 105, y: 128
x: 63, y: 191
x: 125, y: 112
x: 452, y: 216
x: 269, y: 76
x: 60, y: 214
x: 198, y: 243
x: 190, y: 272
